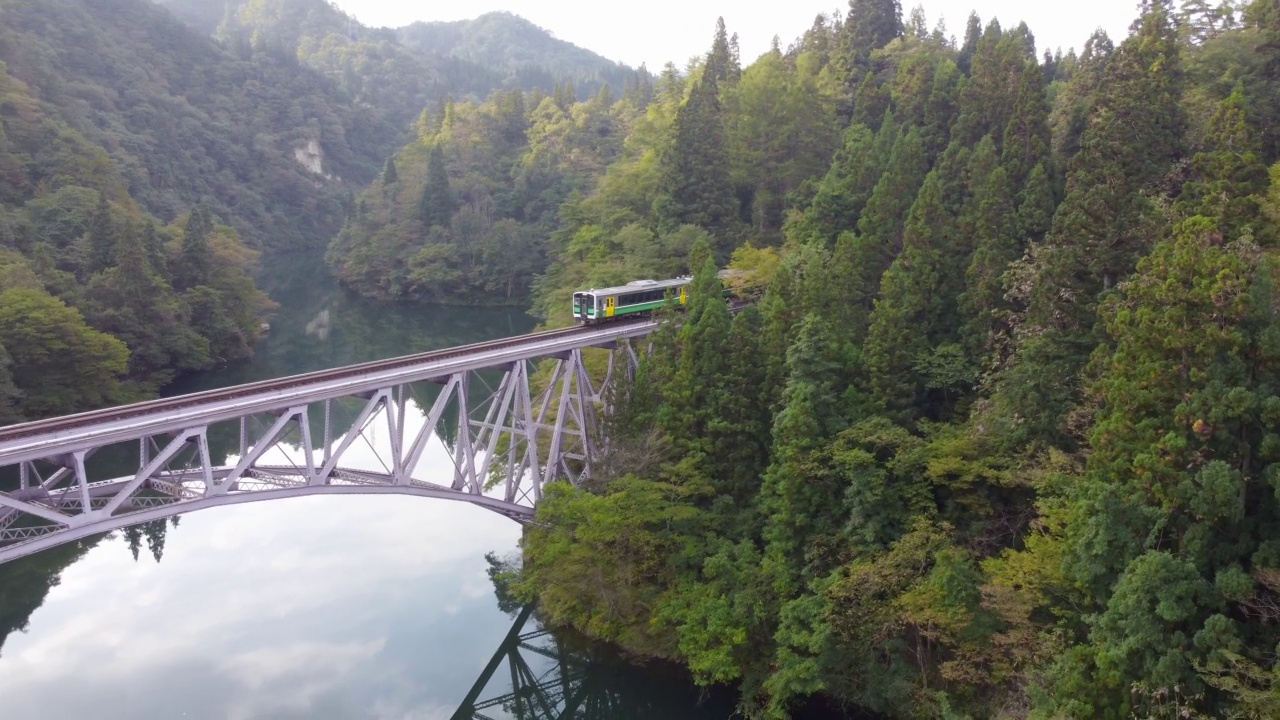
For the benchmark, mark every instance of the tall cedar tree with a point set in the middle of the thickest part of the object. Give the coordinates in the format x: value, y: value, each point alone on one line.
x: 915, y: 312
x: 1105, y: 223
x: 197, y: 257
x: 436, y: 205
x: 884, y: 217
x: 1179, y: 452
x: 870, y: 101
x: 722, y: 62
x: 1026, y: 137
x: 694, y: 186
x: 102, y: 237
x: 844, y: 192
x: 871, y: 25
x: 972, y: 36
x: 1229, y: 177
x: 695, y: 399
x: 987, y: 101
x: 798, y: 501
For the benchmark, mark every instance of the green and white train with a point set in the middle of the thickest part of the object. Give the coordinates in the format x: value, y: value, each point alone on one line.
x: 635, y: 298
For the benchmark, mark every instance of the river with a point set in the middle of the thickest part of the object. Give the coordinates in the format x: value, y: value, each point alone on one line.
x: 322, y: 607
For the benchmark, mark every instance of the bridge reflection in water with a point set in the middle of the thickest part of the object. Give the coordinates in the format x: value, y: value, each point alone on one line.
x: 554, y: 692
x: 549, y: 681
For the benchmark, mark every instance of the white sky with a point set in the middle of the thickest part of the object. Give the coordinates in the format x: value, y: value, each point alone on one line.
x: 661, y: 30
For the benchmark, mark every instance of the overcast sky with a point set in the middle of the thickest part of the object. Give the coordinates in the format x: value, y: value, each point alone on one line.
x: 661, y: 30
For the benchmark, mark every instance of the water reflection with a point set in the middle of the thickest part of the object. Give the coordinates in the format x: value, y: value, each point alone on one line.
x: 348, y: 607
x: 538, y: 675
x: 320, y: 326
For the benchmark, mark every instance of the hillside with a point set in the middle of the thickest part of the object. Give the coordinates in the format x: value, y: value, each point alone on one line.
x: 142, y: 167
x: 523, y: 54
x: 272, y: 148
x: 400, y: 72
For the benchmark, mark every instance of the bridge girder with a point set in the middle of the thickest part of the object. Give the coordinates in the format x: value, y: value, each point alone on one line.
x: 509, y: 441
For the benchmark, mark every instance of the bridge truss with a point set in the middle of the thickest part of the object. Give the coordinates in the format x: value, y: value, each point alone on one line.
x: 490, y: 424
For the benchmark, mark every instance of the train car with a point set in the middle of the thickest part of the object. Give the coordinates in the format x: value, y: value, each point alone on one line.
x: 634, y: 298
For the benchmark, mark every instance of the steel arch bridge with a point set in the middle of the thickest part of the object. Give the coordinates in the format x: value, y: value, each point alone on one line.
x: 508, y: 424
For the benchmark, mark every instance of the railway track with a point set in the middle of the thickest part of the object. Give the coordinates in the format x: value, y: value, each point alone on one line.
x: 150, y: 407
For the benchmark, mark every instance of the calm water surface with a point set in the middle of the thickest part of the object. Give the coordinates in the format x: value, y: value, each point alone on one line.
x: 334, y: 607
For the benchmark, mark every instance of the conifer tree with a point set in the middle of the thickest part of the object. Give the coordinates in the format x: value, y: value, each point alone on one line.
x: 695, y: 186
x: 1229, y: 178
x: 741, y: 437
x: 197, y: 256
x: 871, y: 25
x: 870, y: 101
x: 941, y: 107
x: 1074, y: 105
x: 1035, y: 206
x: 799, y: 504
x: 436, y: 205
x: 1026, y: 137
x: 886, y: 211
x: 102, y: 236
x: 1136, y: 133
x: 996, y: 237
x: 696, y: 396
x: 987, y: 101
x: 983, y: 161
x: 844, y: 192
x: 154, y: 247
x: 1106, y: 221
x: 969, y: 48
x: 1172, y: 456
x: 389, y: 174
x: 915, y: 311
x: 722, y: 63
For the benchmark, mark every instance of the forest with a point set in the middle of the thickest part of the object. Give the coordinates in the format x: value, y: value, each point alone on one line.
x: 1000, y: 436
x: 145, y: 165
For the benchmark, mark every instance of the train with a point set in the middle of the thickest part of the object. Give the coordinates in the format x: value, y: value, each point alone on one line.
x: 635, y: 299
x: 638, y: 297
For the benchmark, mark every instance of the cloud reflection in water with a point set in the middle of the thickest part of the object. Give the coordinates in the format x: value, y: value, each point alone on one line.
x: 332, y: 607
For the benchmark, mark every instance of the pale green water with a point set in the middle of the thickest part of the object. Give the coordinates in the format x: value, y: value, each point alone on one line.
x: 336, y: 607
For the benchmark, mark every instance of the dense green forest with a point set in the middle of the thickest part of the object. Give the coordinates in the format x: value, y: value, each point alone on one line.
x: 146, y: 163
x: 1000, y: 436
x: 100, y: 302
x: 272, y: 149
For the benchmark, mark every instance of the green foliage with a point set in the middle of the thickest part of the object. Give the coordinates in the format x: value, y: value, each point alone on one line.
x: 267, y: 145
x: 694, y: 184
x: 59, y: 362
x: 995, y: 440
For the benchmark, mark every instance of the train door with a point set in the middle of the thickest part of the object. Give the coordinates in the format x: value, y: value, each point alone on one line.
x: 610, y: 305
x: 684, y: 294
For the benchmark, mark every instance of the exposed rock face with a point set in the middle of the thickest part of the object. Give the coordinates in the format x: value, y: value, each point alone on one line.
x: 311, y: 157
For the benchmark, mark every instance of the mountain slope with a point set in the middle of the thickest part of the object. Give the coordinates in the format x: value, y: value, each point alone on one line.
x: 402, y: 71
x: 271, y: 147
x: 520, y: 50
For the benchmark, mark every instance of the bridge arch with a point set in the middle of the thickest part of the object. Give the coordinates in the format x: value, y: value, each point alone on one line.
x: 511, y: 438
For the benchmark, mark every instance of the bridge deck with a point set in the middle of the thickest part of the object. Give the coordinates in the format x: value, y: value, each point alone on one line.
x: 506, y: 445
x: 57, y: 436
